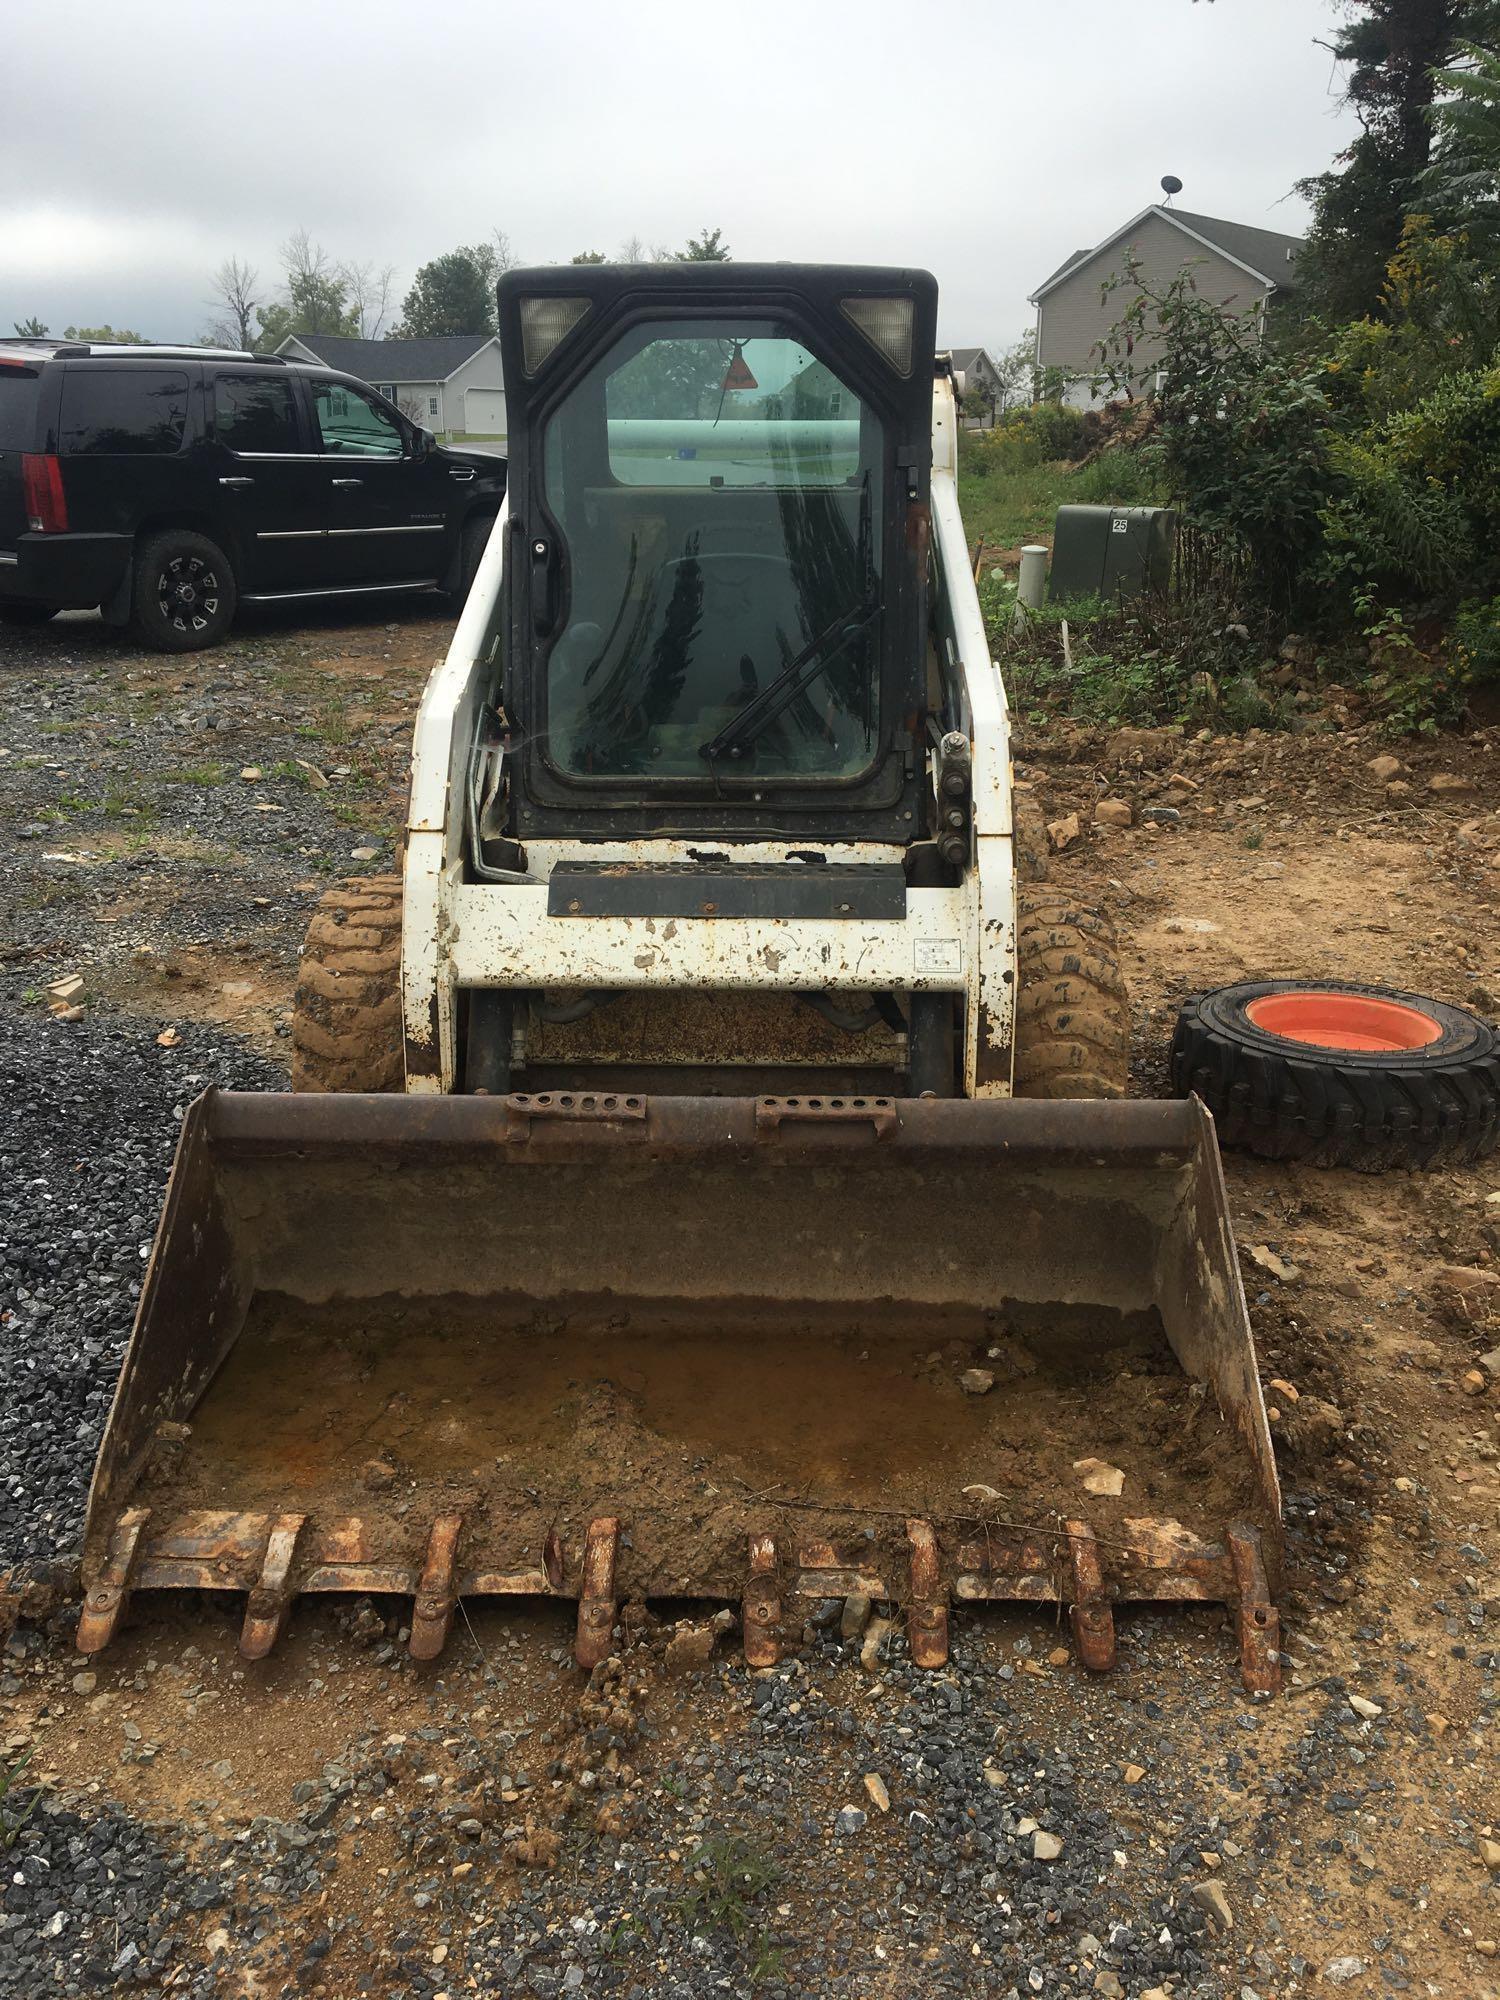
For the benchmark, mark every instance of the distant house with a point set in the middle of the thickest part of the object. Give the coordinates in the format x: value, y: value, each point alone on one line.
x: 450, y: 384
x: 1244, y: 269
x: 979, y: 372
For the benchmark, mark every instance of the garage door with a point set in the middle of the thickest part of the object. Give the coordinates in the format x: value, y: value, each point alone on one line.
x: 484, y: 412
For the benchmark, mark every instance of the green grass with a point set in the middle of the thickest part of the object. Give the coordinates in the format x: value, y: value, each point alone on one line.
x: 1007, y: 508
x: 12, y: 1818
x: 196, y: 774
x: 730, y: 1875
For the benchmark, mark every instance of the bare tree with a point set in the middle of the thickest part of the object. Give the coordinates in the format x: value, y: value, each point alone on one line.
x: 370, y: 295
x: 505, y: 257
x: 632, y: 251
x: 234, y: 303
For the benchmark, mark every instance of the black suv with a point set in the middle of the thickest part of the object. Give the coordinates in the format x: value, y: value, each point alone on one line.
x: 169, y: 484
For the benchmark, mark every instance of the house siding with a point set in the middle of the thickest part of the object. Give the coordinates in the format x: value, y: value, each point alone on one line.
x: 1072, y: 320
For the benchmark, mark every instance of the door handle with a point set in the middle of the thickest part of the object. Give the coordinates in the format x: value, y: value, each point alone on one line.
x: 348, y: 482
x: 237, y: 482
x: 462, y: 474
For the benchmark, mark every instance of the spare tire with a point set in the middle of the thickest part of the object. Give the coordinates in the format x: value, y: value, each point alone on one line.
x: 1341, y: 1075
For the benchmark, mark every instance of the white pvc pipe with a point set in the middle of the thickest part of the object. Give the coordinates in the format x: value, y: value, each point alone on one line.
x: 1033, y: 581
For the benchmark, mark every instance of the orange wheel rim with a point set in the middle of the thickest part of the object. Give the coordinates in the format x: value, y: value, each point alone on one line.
x: 1345, y: 1021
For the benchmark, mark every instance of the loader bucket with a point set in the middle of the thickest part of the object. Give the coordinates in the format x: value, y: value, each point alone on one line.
x: 772, y: 1350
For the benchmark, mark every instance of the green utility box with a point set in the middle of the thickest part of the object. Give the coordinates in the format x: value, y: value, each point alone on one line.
x: 1111, y: 551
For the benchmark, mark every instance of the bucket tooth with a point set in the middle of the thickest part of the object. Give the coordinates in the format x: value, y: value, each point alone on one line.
x: 436, y: 1599
x: 1090, y: 1614
x: 596, y: 1594
x: 104, y: 1606
x: 927, y: 1620
x: 269, y: 1601
x: 762, y: 1605
x: 1258, y: 1621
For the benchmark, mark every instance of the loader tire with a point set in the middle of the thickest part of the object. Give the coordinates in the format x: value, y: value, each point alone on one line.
x: 1072, y: 1010
x: 346, y: 1022
x: 1429, y: 1097
x: 1029, y: 826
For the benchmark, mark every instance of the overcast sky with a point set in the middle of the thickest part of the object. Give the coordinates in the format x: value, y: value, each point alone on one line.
x: 985, y: 142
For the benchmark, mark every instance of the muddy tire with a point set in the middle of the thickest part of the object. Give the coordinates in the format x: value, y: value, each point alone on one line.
x: 1072, y: 1011
x: 346, y: 1023
x: 1029, y: 823
x: 1432, y: 1103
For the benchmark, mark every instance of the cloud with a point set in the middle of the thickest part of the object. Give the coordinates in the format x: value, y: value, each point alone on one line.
x: 144, y: 149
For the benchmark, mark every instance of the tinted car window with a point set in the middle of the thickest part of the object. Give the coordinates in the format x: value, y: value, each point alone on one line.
x: 17, y: 409
x: 255, y: 413
x: 138, y: 410
x: 353, y: 424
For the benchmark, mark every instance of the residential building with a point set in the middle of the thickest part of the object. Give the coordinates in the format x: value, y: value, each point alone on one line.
x: 1243, y: 269
x: 451, y: 384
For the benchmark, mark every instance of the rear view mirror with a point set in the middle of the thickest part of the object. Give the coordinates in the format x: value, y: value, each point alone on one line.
x: 422, y: 442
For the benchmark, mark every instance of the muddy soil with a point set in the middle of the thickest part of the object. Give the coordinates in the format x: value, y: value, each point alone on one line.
x: 1348, y: 1841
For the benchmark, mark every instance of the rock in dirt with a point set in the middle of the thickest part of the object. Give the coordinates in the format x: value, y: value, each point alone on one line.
x: 1363, y: 1706
x: 690, y: 1647
x: 1113, y: 812
x: 1489, y: 1854
x: 875, y: 1636
x: 1108, y: 1983
x: 1210, y: 1898
x: 379, y: 1476
x: 1278, y: 1266
x: 850, y: 1819
x: 976, y: 1381
x: 1490, y: 1363
x: 1064, y: 833
x: 1045, y: 1846
x: 1449, y: 781
x: 1473, y: 1383
x: 1105, y: 1481
x: 1339, y: 1971
x: 1384, y: 767
x: 1134, y: 1773
x: 875, y: 1786
x: 855, y: 1617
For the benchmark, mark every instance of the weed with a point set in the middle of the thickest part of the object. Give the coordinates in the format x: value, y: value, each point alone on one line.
x: 730, y: 1874
x: 1253, y: 839
x: 53, y: 890
x: 12, y: 1819
x: 196, y: 774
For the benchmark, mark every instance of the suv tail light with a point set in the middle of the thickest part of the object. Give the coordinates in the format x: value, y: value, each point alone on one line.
x: 42, y: 484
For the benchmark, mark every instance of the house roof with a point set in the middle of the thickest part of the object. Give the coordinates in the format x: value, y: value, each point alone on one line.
x: 431, y: 360
x: 1265, y: 253
x: 965, y: 357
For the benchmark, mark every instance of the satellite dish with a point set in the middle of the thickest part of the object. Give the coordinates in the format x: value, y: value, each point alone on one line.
x: 1170, y: 185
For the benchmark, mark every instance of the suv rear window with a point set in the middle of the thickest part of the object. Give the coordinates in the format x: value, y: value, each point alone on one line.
x: 18, y: 409
x: 135, y: 410
x: 255, y: 413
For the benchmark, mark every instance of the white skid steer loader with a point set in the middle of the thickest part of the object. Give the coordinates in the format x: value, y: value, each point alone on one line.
x: 661, y: 1212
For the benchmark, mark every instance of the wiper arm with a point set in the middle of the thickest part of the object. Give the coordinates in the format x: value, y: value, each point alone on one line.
x: 799, y: 672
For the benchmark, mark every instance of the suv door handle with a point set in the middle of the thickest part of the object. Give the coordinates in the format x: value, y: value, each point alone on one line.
x: 237, y: 482
x: 462, y: 473
x: 348, y: 482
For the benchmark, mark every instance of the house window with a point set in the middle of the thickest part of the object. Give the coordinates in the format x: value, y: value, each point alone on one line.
x: 432, y: 406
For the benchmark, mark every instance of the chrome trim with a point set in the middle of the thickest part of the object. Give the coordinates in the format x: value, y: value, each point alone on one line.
x: 290, y: 534
x: 333, y: 590
x: 420, y: 528
x: 242, y: 480
x: 10, y: 561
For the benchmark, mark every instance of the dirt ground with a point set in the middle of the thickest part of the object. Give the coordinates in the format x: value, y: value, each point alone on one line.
x: 1268, y: 855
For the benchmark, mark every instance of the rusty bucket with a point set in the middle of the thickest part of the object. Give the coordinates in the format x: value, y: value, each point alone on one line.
x: 600, y: 1346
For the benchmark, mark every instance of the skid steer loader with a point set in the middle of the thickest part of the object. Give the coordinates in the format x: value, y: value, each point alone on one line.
x: 708, y: 1173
